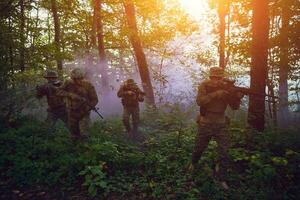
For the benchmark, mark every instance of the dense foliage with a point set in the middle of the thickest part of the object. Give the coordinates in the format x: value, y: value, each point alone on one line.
x: 37, y: 161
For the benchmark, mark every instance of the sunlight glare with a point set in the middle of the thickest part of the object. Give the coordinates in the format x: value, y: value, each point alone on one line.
x: 195, y: 8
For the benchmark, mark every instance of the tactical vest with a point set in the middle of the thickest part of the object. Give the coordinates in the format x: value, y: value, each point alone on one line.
x: 215, y: 105
x: 80, y: 90
x: 133, y: 99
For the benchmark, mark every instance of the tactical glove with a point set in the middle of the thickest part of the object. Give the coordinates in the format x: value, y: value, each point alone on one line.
x: 141, y: 98
x: 130, y: 93
x: 240, y: 95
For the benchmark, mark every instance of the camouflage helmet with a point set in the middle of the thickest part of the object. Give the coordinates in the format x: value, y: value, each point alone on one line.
x: 130, y: 81
x: 216, y: 72
x: 77, y: 73
x: 51, y: 74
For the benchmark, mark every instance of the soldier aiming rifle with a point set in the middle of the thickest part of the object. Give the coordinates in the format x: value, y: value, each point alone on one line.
x: 228, y: 86
x: 213, y: 98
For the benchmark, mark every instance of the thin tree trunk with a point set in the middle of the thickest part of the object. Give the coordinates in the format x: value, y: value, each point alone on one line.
x: 100, y: 42
x: 138, y: 50
x: 274, y: 106
x: 49, y: 28
x: 11, y: 55
x: 222, y: 28
x: 283, y: 112
x: 272, y: 102
x: 94, y: 26
x: 259, y: 65
x: 56, y: 34
x: 22, y: 35
x: 270, y: 83
x: 297, y: 95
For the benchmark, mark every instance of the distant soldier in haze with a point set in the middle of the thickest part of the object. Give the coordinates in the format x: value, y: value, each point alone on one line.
x: 131, y: 95
x: 56, y: 104
x: 213, y: 102
x: 81, y: 99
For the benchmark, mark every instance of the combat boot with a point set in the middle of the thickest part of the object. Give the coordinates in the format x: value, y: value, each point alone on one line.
x: 135, y: 132
x: 128, y: 130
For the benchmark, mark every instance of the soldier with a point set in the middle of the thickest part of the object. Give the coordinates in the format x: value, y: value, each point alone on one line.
x: 131, y: 96
x: 81, y: 99
x: 212, y: 120
x: 56, y: 104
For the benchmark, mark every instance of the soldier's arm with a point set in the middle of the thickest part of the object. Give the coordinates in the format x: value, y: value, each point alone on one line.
x: 63, y: 90
x: 121, y: 92
x: 41, y: 91
x: 140, y: 92
x: 140, y: 95
x: 204, y: 97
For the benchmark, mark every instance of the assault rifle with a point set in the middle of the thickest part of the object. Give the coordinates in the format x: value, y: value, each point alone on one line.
x: 229, y: 86
x: 96, y: 110
x: 232, y: 89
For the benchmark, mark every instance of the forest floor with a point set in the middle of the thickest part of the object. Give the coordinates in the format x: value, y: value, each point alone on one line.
x: 36, y: 163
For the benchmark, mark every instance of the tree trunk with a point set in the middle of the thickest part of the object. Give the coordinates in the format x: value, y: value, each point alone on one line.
x: 22, y: 35
x: 283, y: 111
x: 272, y: 102
x: 138, y: 50
x: 222, y: 28
x: 11, y: 55
x: 297, y: 95
x: 259, y: 63
x: 94, y: 26
x: 101, y: 49
x: 56, y: 34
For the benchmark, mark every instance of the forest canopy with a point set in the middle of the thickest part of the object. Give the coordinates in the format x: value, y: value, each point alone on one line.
x: 176, y: 36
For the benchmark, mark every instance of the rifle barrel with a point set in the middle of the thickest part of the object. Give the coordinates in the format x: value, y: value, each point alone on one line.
x: 96, y: 111
x: 248, y: 91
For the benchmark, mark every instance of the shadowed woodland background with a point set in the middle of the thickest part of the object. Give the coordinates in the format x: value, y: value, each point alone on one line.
x: 168, y: 51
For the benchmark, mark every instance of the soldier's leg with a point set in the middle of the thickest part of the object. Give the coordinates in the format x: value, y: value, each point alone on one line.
x: 63, y: 116
x: 84, y: 124
x: 135, y: 119
x: 201, y: 142
x: 50, y: 121
x: 73, y: 124
x: 126, y: 117
x: 223, y: 144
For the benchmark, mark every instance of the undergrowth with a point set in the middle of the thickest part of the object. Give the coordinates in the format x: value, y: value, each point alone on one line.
x: 110, y: 166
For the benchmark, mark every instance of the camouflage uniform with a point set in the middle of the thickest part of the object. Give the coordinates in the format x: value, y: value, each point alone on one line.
x: 131, y: 96
x: 56, y: 104
x: 81, y: 99
x: 212, y: 122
